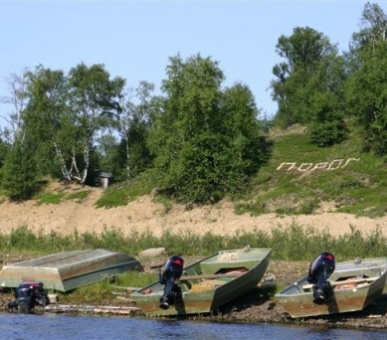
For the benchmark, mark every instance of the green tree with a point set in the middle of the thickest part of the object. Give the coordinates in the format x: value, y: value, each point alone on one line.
x: 94, y: 100
x: 4, y: 148
x: 248, y: 149
x: 373, y: 27
x: 48, y: 122
x: 199, y: 138
x: 107, y: 151
x: 367, y: 97
x: 19, y: 173
x: 327, y: 127
x: 366, y: 88
x: 133, y: 155
x: 308, y: 55
x: 328, y: 109
x: 309, y: 85
x: 187, y: 136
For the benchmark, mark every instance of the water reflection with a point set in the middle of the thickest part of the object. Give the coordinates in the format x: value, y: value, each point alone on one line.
x: 53, y: 326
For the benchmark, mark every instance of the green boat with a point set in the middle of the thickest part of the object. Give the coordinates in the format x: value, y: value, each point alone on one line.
x: 68, y: 270
x: 208, y: 284
x: 355, y: 284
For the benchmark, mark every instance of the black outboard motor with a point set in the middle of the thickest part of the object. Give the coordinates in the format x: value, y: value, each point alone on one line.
x: 319, y: 271
x: 172, y: 272
x: 27, y: 295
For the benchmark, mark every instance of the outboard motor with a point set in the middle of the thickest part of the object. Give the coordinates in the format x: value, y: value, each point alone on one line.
x: 27, y: 295
x: 319, y: 271
x: 172, y: 272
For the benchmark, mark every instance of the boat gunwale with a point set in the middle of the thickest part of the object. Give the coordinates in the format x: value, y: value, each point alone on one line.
x: 367, y: 291
x: 381, y: 265
x: 211, y: 294
x: 157, y: 283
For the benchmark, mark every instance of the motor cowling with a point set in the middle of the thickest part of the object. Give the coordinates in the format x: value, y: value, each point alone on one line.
x: 171, y: 273
x: 319, y: 272
x: 27, y: 295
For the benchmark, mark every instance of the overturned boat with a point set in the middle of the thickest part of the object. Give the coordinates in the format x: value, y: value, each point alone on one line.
x: 352, y: 286
x: 69, y: 270
x: 205, y: 285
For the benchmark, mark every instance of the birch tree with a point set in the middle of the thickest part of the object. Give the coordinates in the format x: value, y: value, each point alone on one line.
x: 16, y: 101
x: 94, y: 100
x: 134, y: 125
x: 48, y: 122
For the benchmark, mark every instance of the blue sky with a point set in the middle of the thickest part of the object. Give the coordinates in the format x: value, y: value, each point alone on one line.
x: 134, y: 39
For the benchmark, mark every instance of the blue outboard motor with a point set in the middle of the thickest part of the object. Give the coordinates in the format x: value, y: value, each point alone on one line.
x: 172, y: 272
x: 27, y: 295
x: 319, y: 271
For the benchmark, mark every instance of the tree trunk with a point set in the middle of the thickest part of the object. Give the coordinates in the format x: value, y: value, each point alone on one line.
x: 127, y: 158
x: 74, y: 166
x: 66, y: 174
x: 86, y: 158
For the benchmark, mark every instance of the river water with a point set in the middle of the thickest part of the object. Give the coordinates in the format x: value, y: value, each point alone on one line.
x: 61, y: 326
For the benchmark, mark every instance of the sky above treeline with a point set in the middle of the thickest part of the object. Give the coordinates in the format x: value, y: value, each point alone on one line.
x: 134, y: 39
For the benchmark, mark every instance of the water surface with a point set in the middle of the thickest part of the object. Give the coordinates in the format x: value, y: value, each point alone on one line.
x: 61, y: 327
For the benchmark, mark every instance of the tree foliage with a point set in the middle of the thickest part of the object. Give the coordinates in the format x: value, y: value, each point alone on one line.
x: 19, y: 174
x: 368, y: 96
x: 4, y: 148
x: 373, y: 27
x: 133, y: 155
x: 366, y: 89
x: 309, y: 85
x: 94, y: 100
x: 200, y: 140
x: 46, y: 120
x: 247, y: 146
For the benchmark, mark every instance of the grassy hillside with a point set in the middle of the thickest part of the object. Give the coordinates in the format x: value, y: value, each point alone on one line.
x: 300, y: 178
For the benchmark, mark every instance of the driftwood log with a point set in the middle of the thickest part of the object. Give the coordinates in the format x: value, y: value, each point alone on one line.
x: 85, y: 309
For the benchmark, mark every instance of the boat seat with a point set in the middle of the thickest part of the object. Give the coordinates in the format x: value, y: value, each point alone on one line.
x: 348, y: 283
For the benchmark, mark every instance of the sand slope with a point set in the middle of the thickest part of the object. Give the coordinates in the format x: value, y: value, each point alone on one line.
x: 145, y: 215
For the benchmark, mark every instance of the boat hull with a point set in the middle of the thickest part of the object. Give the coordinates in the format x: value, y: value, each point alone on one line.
x: 69, y: 270
x: 201, y: 296
x: 348, y: 295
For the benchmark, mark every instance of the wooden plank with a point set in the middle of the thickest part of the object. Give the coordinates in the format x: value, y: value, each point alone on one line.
x: 126, y: 288
x: 338, y: 283
x: 211, y: 276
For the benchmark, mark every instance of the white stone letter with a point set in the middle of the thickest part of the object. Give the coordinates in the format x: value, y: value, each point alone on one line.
x: 292, y: 166
x: 303, y: 165
x: 322, y: 165
x: 349, y: 160
x: 338, y: 161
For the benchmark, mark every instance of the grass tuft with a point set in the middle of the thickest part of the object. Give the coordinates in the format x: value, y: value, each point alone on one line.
x: 293, y: 243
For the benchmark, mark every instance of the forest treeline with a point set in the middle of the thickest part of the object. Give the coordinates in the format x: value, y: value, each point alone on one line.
x: 197, y: 141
